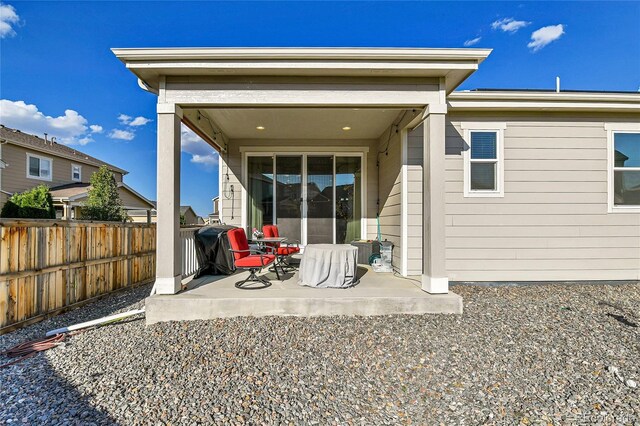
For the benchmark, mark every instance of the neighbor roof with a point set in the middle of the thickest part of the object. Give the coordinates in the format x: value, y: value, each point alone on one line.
x: 26, y: 140
x: 79, y: 190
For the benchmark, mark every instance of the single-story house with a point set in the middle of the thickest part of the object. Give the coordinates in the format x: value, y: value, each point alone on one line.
x: 71, y: 197
x: 337, y: 144
x: 187, y: 212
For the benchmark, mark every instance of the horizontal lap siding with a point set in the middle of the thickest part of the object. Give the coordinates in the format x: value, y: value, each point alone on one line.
x: 414, y: 201
x: 14, y: 176
x: 552, y: 223
x: 391, y: 193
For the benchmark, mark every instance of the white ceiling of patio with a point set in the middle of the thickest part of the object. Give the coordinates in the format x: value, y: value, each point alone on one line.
x: 303, y: 123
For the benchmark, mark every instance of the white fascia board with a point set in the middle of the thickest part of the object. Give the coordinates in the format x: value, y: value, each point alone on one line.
x: 163, y: 54
x: 544, y: 101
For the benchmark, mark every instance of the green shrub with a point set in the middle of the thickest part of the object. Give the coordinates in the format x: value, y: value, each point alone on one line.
x: 103, y: 202
x: 35, y: 203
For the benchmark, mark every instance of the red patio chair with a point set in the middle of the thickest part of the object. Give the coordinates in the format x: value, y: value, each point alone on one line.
x: 282, y: 251
x: 246, y: 258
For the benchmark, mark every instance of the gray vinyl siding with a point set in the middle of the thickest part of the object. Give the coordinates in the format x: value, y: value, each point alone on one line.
x: 14, y: 176
x: 390, y: 171
x: 414, y: 201
x: 552, y: 223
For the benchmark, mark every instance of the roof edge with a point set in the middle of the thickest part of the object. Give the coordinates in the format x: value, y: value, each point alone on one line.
x: 301, y: 53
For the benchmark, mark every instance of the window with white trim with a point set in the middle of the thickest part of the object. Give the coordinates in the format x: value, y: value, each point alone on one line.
x: 76, y: 173
x: 483, y: 160
x: 625, y: 166
x: 39, y: 167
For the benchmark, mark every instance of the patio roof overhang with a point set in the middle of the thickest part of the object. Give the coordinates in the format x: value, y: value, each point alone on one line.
x: 454, y: 65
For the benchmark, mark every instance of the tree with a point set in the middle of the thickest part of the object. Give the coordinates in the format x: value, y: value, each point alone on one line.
x: 35, y: 203
x: 104, y: 201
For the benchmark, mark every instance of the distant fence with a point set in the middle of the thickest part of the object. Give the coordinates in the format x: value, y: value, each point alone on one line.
x: 49, y: 265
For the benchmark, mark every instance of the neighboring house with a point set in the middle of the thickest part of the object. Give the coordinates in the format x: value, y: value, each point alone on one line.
x: 29, y: 160
x: 190, y: 216
x: 485, y: 185
x: 214, y: 218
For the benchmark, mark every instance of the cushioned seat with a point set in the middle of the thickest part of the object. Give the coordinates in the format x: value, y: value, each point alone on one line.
x: 286, y: 251
x: 255, y: 261
x: 243, y: 258
x: 283, y: 251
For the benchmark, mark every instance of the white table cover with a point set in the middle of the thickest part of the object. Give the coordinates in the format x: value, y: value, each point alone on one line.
x: 328, y: 265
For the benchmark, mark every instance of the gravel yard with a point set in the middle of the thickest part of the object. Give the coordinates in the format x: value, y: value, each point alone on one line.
x: 541, y: 354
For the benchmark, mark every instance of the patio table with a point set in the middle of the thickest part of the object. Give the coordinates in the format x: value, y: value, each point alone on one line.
x: 328, y: 266
x: 264, y: 242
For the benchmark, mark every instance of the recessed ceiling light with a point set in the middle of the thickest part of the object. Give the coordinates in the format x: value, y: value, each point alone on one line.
x: 260, y: 127
x: 346, y: 128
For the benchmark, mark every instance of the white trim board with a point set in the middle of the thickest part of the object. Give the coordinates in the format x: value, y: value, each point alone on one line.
x: 272, y: 152
x: 612, y: 129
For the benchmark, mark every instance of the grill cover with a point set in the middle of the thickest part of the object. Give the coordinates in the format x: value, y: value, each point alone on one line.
x: 212, y: 250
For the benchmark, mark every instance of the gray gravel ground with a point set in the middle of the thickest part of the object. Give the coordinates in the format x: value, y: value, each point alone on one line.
x: 549, y: 354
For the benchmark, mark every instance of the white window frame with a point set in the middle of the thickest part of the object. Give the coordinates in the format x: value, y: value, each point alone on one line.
x: 39, y: 157
x: 499, y: 128
x: 335, y: 151
x: 612, y: 129
x: 79, y: 172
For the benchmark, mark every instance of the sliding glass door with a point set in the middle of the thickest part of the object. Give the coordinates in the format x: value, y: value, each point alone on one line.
x: 348, y: 199
x: 320, y: 199
x: 289, y: 196
x: 313, y: 198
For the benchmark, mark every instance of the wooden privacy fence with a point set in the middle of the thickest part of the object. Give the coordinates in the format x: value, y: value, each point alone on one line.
x: 47, y: 265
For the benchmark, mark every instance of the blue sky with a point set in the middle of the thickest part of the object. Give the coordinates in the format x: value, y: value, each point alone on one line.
x: 57, y: 73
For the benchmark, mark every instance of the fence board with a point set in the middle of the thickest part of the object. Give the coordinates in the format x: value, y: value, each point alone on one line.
x: 47, y: 265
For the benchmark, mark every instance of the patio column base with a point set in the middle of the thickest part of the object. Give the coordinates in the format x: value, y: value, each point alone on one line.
x: 170, y: 285
x: 435, y: 285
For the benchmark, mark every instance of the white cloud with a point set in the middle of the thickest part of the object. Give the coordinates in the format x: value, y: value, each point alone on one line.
x: 472, y: 42
x: 70, y: 128
x: 135, y: 122
x: 139, y: 121
x: 124, y: 135
x: 96, y: 129
x: 545, y: 35
x: 124, y: 118
x: 200, y: 151
x: 509, y: 25
x: 8, y: 19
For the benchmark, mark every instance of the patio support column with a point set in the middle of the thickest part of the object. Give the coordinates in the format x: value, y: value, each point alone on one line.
x: 434, y: 271
x: 168, y: 256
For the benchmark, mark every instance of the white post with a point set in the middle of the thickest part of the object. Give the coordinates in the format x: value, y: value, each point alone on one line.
x: 168, y: 256
x: 66, y: 211
x: 434, y: 271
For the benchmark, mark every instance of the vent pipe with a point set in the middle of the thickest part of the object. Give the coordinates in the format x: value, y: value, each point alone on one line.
x: 45, y: 139
x: 557, y: 84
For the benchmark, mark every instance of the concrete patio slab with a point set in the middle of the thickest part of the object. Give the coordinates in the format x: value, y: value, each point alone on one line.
x: 376, y: 294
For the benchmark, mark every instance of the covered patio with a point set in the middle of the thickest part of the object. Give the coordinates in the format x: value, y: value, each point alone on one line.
x: 376, y: 294
x: 304, y: 136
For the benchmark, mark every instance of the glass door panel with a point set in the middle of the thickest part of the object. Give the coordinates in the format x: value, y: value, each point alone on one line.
x: 289, y: 196
x: 348, y: 199
x: 260, y: 191
x: 319, y: 199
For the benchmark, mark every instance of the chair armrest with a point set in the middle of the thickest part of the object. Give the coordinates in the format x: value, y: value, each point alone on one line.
x: 239, y: 251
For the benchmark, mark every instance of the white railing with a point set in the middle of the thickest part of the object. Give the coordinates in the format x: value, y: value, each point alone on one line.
x: 188, y: 249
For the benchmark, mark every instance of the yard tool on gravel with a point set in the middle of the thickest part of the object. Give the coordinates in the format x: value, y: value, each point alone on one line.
x: 55, y: 337
x: 29, y: 349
